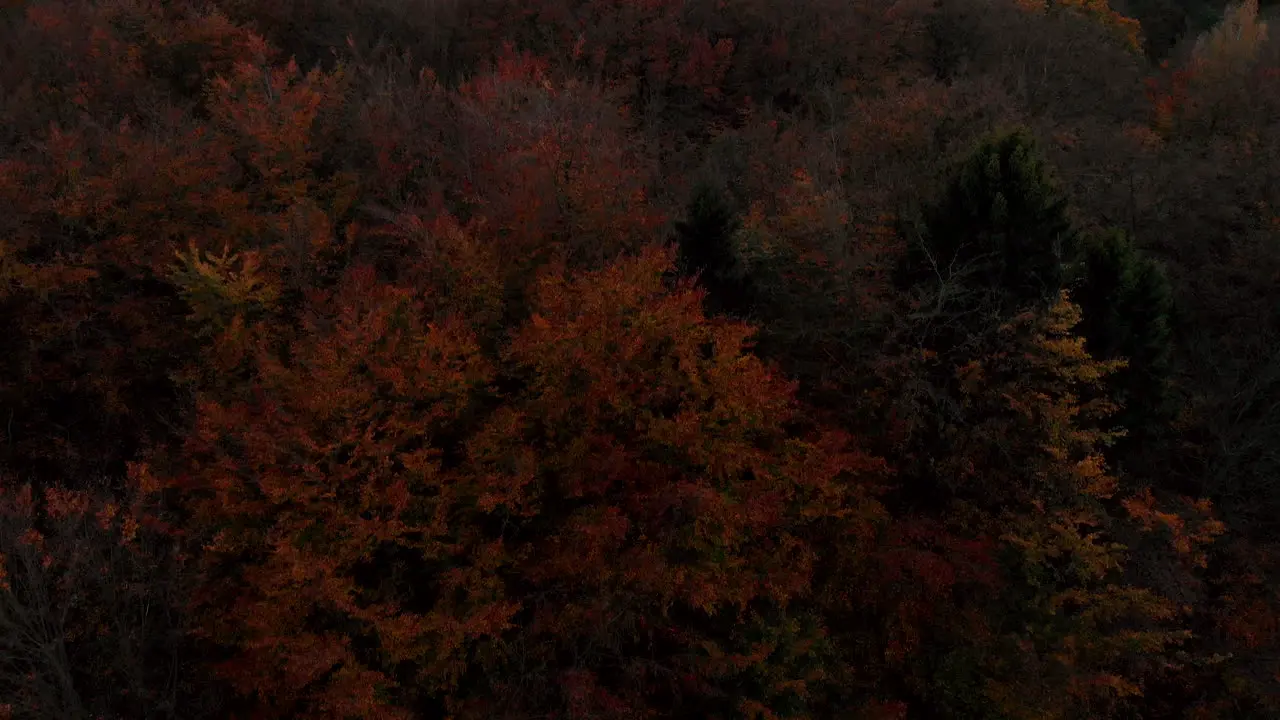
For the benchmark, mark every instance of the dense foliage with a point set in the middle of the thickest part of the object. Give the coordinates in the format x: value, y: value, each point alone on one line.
x: 619, y: 359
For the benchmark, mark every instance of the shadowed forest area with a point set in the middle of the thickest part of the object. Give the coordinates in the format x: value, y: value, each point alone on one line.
x: 622, y: 359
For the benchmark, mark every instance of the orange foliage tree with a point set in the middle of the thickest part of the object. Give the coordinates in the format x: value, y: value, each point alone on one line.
x: 610, y: 515
x: 1067, y: 629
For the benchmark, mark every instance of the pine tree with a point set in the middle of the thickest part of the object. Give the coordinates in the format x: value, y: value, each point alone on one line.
x: 1127, y: 304
x: 1000, y: 237
x: 706, y: 248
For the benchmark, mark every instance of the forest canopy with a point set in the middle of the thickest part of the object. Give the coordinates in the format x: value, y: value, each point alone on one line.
x: 616, y: 359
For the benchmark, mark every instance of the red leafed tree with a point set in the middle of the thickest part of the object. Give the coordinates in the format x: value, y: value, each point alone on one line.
x: 105, y: 172
x: 679, y: 511
x: 315, y: 481
x: 549, y: 167
x: 610, y: 517
x: 537, y: 164
x: 112, y: 174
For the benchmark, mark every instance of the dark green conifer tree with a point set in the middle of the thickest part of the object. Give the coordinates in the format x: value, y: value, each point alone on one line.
x: 999, y: 239
x: 1128, y: 304
x: 706, y: 248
